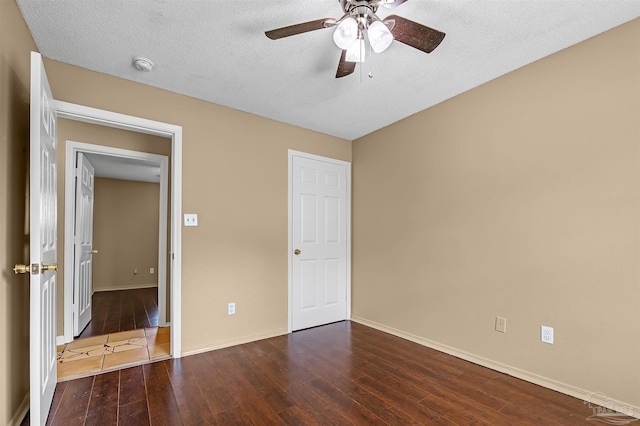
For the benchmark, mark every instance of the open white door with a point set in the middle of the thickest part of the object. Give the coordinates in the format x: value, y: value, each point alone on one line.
x: 319, y: 238
x: 42, y: 217
x: 83, y: 245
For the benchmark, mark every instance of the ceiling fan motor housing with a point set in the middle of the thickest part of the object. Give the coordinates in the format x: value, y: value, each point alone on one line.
x: 362, y: 10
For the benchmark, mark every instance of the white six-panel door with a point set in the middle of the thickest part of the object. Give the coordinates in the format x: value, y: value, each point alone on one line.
x: 42, y: 216
x: 319, y: 234
x: 83, y: 264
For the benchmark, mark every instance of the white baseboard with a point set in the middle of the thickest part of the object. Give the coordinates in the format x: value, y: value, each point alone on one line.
x: 16, y: 420
x: 60, y: 340
x: 125, y: 287
x: 234, y: 342
x: 585, y: 395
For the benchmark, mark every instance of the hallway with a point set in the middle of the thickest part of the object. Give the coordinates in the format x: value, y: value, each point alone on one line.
x: 122, y: 310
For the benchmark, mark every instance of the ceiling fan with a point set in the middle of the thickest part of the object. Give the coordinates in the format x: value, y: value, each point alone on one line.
x: 360, y: 18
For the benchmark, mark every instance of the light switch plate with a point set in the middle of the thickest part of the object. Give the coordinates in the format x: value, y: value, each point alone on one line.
x: 190, y: 219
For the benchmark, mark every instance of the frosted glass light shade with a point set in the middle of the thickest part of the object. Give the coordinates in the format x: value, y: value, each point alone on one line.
x: 356, y: 52
x: 346, y: 33
x: 379, y: 36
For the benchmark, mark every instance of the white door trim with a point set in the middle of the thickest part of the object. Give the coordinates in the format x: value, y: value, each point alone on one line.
x: 292, y: 153
x: 72, y: 150
x: 126, y: 122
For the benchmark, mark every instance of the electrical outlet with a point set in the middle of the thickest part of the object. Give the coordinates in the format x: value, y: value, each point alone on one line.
x: 135, y: 271
x: 152, y: 270
x: 231, y: 309
x: 546, y: 334
x: 501, y: 324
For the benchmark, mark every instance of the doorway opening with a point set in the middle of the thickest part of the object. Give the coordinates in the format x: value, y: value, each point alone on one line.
x: 115, y: 287
x: 124, y: 165
x: 171, y: 194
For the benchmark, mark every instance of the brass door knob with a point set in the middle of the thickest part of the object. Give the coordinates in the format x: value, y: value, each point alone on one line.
x: 94, y: 252
x: 49, y: 267
x: 21, y: 269
x: 297, y: 252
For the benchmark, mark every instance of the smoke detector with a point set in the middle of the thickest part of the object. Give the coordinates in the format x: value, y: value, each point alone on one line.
x: 142, y: 64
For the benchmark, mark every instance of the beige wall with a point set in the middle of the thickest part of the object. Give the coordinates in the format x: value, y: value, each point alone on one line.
x: 76, y: 131
x: 125, y: 233
x: 15, y: 45
x: 235, y: 179
x: 521, y: 199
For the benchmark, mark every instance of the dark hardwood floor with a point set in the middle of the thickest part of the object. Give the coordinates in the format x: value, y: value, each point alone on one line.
x: 341, y: 374
x: 122, y: 310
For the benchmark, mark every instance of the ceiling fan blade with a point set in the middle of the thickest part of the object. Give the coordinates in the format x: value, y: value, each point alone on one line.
x: 304, y: 27
x: 396, y: 3
x: 345, y: 67
x: 414, y: 34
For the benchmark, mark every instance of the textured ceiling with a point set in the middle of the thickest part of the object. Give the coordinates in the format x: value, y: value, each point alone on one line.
x: 216, y: 50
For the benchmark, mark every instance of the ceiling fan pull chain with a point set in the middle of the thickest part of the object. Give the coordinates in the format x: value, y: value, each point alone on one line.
x: 371, y: 61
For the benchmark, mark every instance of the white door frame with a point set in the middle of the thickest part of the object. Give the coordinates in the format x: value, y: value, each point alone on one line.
x: 72, y: 151
x: 141, y: 125
x: 292, y: 153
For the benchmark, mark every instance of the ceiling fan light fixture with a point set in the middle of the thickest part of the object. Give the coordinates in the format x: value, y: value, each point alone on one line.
x: 360, y: 17
x: 356, y: 52
x: 379, y: 36
x: 346, y: 34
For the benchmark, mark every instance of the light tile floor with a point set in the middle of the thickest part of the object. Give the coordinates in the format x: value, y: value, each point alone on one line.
x: 97, y: 354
